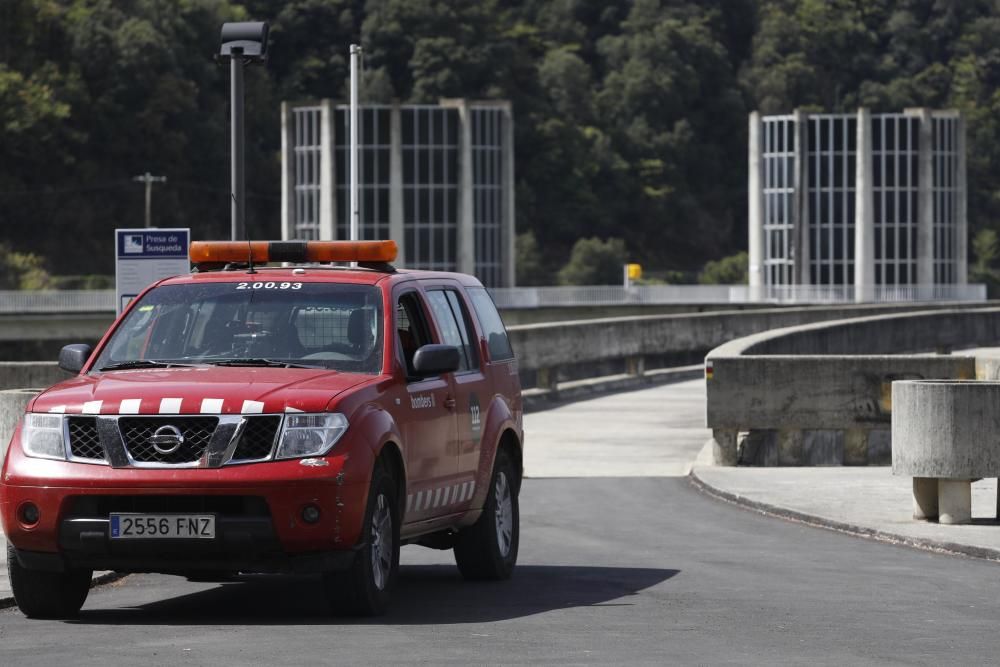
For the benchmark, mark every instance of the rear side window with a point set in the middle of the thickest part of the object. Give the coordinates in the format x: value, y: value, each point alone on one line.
x: 492, y: 325
x: 451, y: 321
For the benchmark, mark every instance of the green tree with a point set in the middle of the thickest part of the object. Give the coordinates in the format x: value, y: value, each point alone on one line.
x: 529, y: 265
x: 730, y: 270
x: 594, y: 262
x: 20, y: 270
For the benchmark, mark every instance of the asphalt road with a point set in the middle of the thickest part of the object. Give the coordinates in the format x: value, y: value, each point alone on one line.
x: 619, y: 570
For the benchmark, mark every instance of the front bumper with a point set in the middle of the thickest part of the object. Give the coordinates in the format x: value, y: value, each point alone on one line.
x: 264, y: 532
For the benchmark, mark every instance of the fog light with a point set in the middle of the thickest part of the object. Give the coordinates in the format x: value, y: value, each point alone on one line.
x: 28, y: 514
x: 310, y: 514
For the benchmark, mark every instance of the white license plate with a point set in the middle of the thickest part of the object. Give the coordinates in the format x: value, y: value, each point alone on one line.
x: 177, y: 526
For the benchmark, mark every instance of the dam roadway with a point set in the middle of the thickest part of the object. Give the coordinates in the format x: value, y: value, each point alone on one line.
x: 622, y: 561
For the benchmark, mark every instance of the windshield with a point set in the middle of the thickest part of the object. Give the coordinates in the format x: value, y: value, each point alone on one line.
x: 321, y: 325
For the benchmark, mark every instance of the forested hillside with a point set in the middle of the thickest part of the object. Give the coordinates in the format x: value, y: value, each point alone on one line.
x: 631, y: 116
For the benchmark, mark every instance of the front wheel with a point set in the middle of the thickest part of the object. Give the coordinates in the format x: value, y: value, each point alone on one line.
x: 47, y: 594
x: 364, y: 589
x: 488, y: 549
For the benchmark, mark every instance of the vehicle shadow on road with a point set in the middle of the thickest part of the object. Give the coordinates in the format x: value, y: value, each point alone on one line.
x: 424, y: 595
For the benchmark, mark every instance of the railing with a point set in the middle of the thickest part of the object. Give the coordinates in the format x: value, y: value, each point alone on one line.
x: 66, y: 301
x: 607, y: 295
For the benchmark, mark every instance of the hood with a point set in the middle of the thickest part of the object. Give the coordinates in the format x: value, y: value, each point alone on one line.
x: 198, y: 389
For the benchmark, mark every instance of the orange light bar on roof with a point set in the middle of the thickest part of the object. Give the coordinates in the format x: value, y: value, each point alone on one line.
x: 263, y: 252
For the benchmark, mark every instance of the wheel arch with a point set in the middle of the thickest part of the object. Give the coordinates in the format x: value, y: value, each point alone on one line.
x: 392, y: 457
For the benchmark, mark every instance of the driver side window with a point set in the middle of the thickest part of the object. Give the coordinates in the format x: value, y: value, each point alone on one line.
x: 411, y: 328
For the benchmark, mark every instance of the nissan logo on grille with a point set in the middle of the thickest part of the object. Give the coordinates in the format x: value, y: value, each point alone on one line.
x: 167, y: 439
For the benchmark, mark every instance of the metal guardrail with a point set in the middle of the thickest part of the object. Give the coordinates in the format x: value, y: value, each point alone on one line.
x: 69, y: 301
x: 64, y: 301
x: 607, y: 295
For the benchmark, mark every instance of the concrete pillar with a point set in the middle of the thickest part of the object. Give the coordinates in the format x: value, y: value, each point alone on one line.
x: 397, y: 228
x: 856, y: 447
x: 800, y: 207
x: 547, y: 378
x: 509, y: 211
x: 327, y: 177
x: 925, y: 200
x: 635, y: 365
x: 962, y: 220
x: 864, y: 211
x: 755, y: 205
x: 724, y: 446
x: 954, y: 501
x: 466, y: 258
x: 925, y: 498
x: 287, y: 173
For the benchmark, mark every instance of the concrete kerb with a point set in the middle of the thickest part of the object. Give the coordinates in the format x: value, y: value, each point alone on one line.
x: 857, y: 530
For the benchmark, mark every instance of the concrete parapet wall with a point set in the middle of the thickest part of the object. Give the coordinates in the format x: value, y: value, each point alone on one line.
x: 12, y: 404
x: 547, y: 352
x: 817, y: 395
x: 16, y: 374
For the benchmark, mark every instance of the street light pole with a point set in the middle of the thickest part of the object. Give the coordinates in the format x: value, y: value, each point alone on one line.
x: 149, y: 179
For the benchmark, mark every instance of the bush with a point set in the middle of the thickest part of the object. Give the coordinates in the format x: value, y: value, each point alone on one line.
x: 594, y: 262
x: 730, y: 270
x: 21, y: 270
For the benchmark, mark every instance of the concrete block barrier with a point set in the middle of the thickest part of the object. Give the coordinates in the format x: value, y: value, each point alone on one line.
x: 945, y: 435
x: 12, y: 404
x: 821, y: 393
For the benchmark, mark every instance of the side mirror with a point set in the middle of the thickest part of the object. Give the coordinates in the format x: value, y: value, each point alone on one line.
x: 436, y: 360
x: 72, y: 358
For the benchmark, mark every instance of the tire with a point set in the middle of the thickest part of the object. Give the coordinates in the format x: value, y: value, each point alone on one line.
x: 47, y: 594
x: 488, y: 549
x: 365, y: 588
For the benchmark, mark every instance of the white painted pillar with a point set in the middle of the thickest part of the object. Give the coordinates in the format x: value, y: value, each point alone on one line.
x: 800, y: 208
x: 962, y: 220
x: 466, y: 257
x: 864, y: 211
x: 755, y: 207
x: 509, y: 222
x: 397, y: 229
x: 954, y: 501
x: 327, y: 177
x: 287, y: 173
x: 925, y: 200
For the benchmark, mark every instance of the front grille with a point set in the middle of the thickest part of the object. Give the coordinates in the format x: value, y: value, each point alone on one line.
x: 234, y: 506
x: 257, y: 439
x: 197, y: 432
x: 84, y: 443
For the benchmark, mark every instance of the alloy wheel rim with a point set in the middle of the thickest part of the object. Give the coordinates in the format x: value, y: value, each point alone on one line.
x: 504, y: 514
x: 381, y: 541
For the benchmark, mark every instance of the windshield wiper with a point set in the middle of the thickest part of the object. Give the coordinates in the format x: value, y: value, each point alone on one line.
x: 140, y: 363
x: 259, y: 361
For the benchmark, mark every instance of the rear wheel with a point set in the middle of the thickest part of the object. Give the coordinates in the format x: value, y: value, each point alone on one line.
x: 47, y: 594
x: 488, y: 549
x: 364, y: 589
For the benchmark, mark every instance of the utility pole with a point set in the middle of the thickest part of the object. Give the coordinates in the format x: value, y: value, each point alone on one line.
x: 149, y: 179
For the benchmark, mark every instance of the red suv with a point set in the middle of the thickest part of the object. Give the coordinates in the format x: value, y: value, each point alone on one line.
x: 253, y: 418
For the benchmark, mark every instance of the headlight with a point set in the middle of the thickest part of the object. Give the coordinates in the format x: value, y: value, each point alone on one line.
x: 310, y: 435
x: 42, y: 436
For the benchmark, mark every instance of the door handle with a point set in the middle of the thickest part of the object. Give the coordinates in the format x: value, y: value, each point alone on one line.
x: 450, y: 403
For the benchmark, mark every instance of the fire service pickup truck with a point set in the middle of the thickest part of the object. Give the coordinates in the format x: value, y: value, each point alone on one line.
x: 287, y: 407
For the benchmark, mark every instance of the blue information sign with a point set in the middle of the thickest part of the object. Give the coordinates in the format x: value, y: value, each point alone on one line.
x: 145, y: 256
